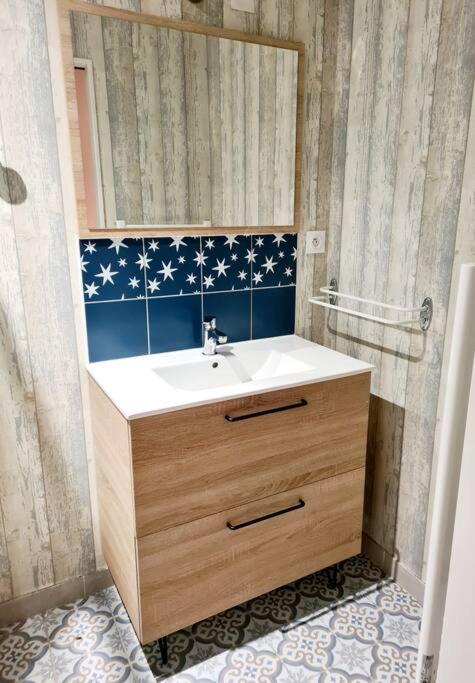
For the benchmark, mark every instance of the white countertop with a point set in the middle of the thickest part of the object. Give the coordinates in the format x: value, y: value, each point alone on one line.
x: 163, y: 382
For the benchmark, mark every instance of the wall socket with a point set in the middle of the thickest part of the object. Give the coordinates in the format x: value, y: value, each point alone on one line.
x: 243, y: 5
x: 315, y: 243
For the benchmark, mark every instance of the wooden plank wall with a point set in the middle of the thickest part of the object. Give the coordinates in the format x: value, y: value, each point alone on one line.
x: 391, y: 177
x: 47, y: 531
x: 198, y: 127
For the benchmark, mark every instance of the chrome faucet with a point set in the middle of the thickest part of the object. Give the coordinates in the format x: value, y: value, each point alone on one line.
x: 212, y: 336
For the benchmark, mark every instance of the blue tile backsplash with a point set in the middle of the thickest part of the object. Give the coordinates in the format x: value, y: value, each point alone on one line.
x: 149, y: 295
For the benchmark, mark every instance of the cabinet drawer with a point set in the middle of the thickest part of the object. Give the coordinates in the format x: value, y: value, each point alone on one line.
x: 192, y: 463
x: 192, y: 571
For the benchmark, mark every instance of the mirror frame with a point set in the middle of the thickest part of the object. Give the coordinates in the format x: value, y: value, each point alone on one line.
x: 67, y: 6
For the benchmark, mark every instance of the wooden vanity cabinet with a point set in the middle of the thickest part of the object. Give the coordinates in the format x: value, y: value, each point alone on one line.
x: 204, y: 508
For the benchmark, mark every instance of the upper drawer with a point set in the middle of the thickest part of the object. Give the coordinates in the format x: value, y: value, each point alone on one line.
x: 195, y: 462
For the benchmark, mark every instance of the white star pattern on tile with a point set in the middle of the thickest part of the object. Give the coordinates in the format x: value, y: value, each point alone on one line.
x: 208, y: 281
x: 177, y: 242
x: 230, y: 240
x: 221, y: 267
x: 91, y: 290
x: 269, y: 264
x: 278, y: 239
x: 133, y: 282
x: 117, y: 243
x: 200, y: 258
x: 257, y: 261
x: 153, y: 285
x: 167, y: 271
x: 106, y: 274
x: 143, y: 261
x: 90, y: 247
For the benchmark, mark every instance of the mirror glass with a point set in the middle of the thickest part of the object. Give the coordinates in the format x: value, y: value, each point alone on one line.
x: 183, y: 128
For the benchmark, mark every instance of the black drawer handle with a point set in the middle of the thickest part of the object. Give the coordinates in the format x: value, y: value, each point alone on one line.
x: 267, y: 411
x: 297, y: 506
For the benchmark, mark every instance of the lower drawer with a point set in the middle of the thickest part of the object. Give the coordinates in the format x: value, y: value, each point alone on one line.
x: 195, y: 570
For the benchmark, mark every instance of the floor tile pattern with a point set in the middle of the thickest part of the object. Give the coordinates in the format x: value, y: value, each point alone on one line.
x: 365, y: 628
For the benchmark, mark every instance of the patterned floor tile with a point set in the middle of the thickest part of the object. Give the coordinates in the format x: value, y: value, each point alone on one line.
x: 363, y: 627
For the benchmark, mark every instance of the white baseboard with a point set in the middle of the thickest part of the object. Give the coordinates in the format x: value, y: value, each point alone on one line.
x: 53, y: 596
x: 391, y: 565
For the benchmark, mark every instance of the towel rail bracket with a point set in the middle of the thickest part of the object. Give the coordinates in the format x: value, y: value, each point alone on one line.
x: 424, y: 312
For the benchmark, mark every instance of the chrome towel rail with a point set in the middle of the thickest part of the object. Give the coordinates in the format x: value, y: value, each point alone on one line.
x: 332, y: 294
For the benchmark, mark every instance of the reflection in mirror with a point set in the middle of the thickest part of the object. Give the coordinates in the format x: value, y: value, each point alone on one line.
x: 182, y: 128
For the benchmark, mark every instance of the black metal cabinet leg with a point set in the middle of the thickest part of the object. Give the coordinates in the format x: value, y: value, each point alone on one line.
x: 332, y: 576
x: 163, y: 645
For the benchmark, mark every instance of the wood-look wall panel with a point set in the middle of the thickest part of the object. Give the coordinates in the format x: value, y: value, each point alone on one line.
x: 421, y: 58
x: 205, y: 12
x: 121, y: 97
x: 197, y: 125
x: 162, y: 8
x: 29, y: 131
x: 332, y: 154
x: 226, y: 104
x: 215, y: 143
x: 87, y: 39
x: 241, y: 21
x: 172, y: 97
x: 267, y: 95
x: 285, y: 107
x: 24, y: 529
x: 444, y: 180
x: 150, y: 143
x: 377, y: 74
x: 376, y: 89
x: 276, y: 18
x: 252, y: 104
x: 309, y: 28
x: 238, y: 128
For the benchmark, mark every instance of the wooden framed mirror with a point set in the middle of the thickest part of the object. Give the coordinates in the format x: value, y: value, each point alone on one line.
x: 180, y: 127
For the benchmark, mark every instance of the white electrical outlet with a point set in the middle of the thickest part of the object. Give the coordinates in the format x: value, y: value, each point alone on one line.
x: 315, y: 242
x: 243, y: 5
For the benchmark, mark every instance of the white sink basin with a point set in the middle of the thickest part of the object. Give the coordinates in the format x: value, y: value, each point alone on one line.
x: 229, y: 368
x: 212, y: 371
x: 162, y: 382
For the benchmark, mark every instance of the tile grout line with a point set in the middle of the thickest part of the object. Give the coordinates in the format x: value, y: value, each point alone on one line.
x: 179, y: 296
x: 146, y: 297
x: 201, y: 288
x: 251, y: 331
